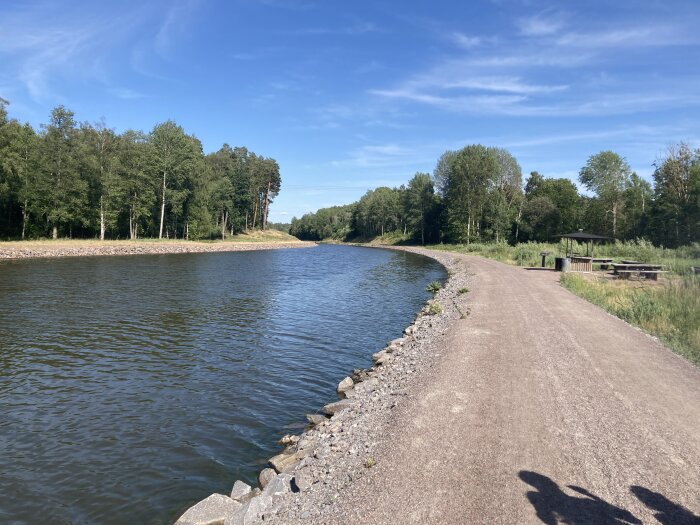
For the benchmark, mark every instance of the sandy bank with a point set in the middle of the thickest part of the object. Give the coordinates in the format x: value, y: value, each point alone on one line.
x: 83, y: 248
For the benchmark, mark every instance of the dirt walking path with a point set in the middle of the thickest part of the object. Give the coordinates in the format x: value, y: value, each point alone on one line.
x: 543, y: 408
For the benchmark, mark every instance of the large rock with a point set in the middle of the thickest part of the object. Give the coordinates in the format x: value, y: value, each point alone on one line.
x: 381, y: 358
x: 266, y: 475
x: 210, y: 511
x: 241, y: 491
x: 302, y: 481
x: 370, y: 385
x: 379, y: 355
x: 333, y: 408
x: 345, y: 385
x: 284, y: 461
x: 251, y: 512
x: 316, y: 419
x: 281, y: 484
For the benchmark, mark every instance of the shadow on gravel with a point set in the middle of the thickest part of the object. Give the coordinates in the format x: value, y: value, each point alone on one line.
x: 554, y: 506
x: 667, y: 512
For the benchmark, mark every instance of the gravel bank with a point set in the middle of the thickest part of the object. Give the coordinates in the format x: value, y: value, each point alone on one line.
x: 32, y: 250
x: 338, y: 448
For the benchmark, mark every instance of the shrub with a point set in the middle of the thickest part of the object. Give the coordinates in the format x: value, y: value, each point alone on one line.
x: 435, y: 308
x: 433, y: 287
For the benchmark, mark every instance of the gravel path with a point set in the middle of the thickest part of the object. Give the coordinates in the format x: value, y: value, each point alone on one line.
x: 535, y: 407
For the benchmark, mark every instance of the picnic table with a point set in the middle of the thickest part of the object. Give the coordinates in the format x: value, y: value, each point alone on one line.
x: 641, y: 270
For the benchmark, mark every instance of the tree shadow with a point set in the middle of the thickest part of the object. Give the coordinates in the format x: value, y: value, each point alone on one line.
x: 555, y: 506
x: 667, y: 512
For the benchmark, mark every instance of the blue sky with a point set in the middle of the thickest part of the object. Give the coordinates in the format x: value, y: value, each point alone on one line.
x: 349, y: 96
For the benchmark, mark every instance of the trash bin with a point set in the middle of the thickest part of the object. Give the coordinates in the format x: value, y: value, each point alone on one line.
x: 566, y: 264
x: 562, y: 264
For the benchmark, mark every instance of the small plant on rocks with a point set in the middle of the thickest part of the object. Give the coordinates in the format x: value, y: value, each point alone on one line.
x: 433, y: 287
x: 463, y: 290
x: 369, y: 463
x: 435, y: 308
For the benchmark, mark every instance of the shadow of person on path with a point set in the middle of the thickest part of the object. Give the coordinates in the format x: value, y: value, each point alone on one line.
x: 555, y: 506
x: 667, y: 512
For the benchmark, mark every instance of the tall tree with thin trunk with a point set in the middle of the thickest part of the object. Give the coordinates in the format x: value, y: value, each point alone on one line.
x: 608, y: 175
x: 419, y: 200
x: 172, y: 157
x: 63, y: 192
x: 98, y: 156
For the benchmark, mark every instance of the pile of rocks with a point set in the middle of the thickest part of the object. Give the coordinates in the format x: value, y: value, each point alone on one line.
x: 337, y: 447
x: 17, y: 251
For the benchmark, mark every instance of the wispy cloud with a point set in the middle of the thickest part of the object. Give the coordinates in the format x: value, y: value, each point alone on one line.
x: 126, y: 93
x: 503, y: 85
x: 41, y: 43
x: 359, y: 28
x: 466, y: 41
x: 173, y: 27
x: 543, y: 24
x: 641, y: 36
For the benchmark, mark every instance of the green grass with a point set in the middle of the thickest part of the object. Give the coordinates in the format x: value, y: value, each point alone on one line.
x: 434, y: 308
x: 433, y: 287
x: 668, y: 310
x: 678, y: 260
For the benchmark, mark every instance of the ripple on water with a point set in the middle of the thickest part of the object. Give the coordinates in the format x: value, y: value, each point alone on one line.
x: 133, y: 386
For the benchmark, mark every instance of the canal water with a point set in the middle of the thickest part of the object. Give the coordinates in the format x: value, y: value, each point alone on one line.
x: 131, y: 387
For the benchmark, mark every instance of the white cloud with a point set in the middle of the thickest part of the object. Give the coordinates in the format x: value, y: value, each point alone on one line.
x: 173, y: 27
x: 126, y: 93
x: 542, y: 24
x: 466, y: 41
x: 641, y: 36
x: 502, y: 84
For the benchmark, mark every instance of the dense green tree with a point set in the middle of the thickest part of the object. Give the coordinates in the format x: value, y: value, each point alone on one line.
x: 505, y: 195
x: 377, y: 212
x: 63, y: 193
x: 97, y: 156
x: 92, y: 181
x: 173, y: 158
x: 608, y: 175
x: 419, y: 201
x: 19, y: 147
x: 637, y: 201
x: 326, y: 223
x: 470, y: 171
x: 136, y: 189
x: 562, y: 195
x: 676, y: 208
x: 541, y: 219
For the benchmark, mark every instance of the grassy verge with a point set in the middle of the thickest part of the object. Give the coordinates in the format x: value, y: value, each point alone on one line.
x: 677, y: 260
x: 669, y: 310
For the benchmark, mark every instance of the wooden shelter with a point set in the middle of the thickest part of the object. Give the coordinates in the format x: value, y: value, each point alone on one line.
x: 580, y: 262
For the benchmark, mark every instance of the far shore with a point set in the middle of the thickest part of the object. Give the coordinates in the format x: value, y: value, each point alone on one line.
x: 93, y: 247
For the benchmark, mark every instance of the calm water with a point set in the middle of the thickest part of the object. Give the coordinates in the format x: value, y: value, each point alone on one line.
x: 133, y: 386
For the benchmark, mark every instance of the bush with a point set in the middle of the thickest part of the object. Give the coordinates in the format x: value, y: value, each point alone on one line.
x: 433, y: 287
x: 435, y: 308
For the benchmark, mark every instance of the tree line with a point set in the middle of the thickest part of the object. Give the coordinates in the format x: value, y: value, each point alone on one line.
x: 73, y: 179
x: 477, y: 194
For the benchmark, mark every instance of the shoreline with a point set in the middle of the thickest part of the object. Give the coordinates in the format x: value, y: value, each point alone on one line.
x: 338, y: 446
x: 16, y: 250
